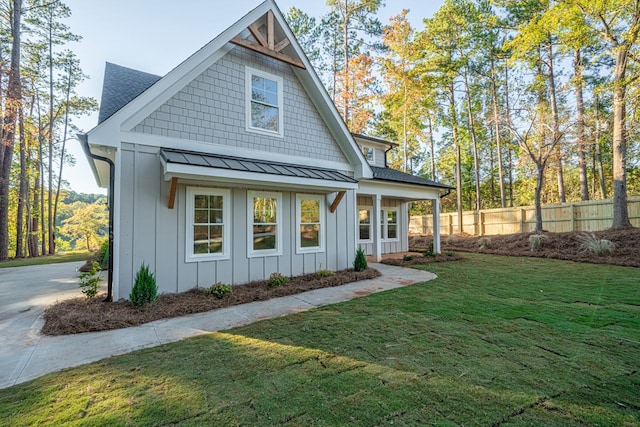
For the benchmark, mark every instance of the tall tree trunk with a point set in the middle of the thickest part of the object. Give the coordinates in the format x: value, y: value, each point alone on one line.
x: 432, y: 149
x: 474, y: 142
x: 496, y: 124
x: 346, y: 96
x: 508, y: 117
x: 582, y: 146
x: 50, y: 138
x: 620, y: 208
x: 540, y: 166
x: 22, y: 194
x: 12, y: 103
x: 598, y: 169
x: 456, y: 143
x: 556, y: 121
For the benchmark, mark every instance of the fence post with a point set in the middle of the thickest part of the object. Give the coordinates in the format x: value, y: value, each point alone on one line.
x: 482, y: 229
x: 572, y: 212
x: 450, y: 225
x: 522, y: 219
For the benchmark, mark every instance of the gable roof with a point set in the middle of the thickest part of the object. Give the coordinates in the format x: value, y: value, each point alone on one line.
x: 388, y: 174
x: 121, y: 86
x: 124, y: 119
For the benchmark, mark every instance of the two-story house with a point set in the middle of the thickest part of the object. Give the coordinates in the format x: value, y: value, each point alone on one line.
x: 236, y: 164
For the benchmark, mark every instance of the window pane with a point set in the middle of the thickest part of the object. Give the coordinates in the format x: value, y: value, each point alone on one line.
x: 201, y: 201
x: 365, y: 216
x: 215, y: 202
x: 264, y: 237
x: 392, y: 217
x: 309, y: 236
x: 264, y: 210
x: 215, y: 239
x: 392, y: 231
x: 200, y: 239
x: 309, y: 211
x: 264, y: 117
x: 215, y: 216
x: 201, y: 216
x: 365, y: 232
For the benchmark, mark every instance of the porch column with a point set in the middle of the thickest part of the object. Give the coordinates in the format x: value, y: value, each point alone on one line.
x: 436, y: 225
x: 377, y: 228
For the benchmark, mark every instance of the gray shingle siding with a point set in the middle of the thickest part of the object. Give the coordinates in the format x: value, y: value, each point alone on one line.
x: 212, y: 109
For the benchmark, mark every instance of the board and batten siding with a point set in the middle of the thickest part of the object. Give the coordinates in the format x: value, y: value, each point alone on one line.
x: 151, y: 233
x: 211, y: 109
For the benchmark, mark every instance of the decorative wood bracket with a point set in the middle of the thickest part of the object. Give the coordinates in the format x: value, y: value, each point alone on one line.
x: 268, y: 46
x: 172, y: 192
x: 336, y: 201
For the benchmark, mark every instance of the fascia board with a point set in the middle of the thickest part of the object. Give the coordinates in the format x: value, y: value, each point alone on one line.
x: 226, y: 150
x: 399, y: 190
x: 201, y: 173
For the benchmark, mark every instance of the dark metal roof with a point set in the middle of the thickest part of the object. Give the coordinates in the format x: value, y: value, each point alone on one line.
x: 122, y: 85
x: 241, y: 164
x: 388, y: 174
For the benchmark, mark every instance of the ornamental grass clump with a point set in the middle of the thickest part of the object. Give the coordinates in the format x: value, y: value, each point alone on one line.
x: 144, y: 289
x: 535, y: 241
x: 601, y: 247
x: 360, y: 263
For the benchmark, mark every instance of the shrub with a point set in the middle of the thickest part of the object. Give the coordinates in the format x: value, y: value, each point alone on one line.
x: 590, y: 243
x: 484, y: 242
x: 277, y: 279
x: 219, y: 290
x: 407, y: 258
x: 144, y: 289
x: 535, y: 241
x: 103, y: 252
x: 324, y: 273
x: 89, y: 280
x: 360, y: 263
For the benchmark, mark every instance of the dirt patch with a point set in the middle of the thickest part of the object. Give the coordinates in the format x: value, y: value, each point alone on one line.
x: 567, y: 246
x: 91, y: 314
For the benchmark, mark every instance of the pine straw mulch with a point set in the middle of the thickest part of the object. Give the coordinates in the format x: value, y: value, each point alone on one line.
x: 420, y: 258
x: 84, y: 314
x: 566, y: 246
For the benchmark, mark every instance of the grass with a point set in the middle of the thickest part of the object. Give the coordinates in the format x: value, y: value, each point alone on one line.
x: 47, y: 259
x: 493, y: 341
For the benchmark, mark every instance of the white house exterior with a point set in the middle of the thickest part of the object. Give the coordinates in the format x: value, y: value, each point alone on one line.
x: 236, y: 164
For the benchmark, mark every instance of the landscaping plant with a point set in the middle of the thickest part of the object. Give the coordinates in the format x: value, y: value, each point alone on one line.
x: 144, y: 289
x: 219, y: 290
x: 360, y: 263
x: 89, y: 280
x: 535, y: 241
x: 600, y: 247
x: 277, y: 279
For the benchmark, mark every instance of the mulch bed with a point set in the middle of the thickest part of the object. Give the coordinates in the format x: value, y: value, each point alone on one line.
x: 84, y: 314
x: 566, y: 246
x: 420, y: 258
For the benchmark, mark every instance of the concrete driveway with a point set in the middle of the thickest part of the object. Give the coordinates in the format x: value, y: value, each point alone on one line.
x: 25, y: 292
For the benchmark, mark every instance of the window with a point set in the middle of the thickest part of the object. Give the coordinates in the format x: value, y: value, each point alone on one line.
x: 208, y: 224
x: 389, y: 223
x: 369, y: 154
x: 265, y: 218
x: 310, y: 223
x: 364, y: 219
x: 264, y: 102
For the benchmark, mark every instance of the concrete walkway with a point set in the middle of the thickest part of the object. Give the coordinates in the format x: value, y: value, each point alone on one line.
x: 27, y: 354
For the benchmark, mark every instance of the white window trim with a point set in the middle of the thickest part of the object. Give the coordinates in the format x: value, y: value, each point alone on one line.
x: 370, y: 209
x: 248, y: 72
x: 373, y: 154
x: 384, y: 223
x: 226, y: 224
x: 321, y: 234
x: 251, y: 253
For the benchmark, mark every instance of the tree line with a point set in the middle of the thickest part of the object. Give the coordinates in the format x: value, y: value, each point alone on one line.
x: 39, y: 75
x: 511, y: 102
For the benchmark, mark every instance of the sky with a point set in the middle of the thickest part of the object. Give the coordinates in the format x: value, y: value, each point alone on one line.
x: 155, y: 36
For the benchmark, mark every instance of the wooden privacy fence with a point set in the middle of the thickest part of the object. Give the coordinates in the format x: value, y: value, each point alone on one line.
x: 580, y: 216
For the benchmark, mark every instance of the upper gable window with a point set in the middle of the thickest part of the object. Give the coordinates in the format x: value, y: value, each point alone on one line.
x: 264, y: 102
x: 369, y: 154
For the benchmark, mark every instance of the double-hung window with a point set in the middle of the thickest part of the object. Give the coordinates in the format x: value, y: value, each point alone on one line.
x: 389, y: 223
x: 265, y: 221
x: 369, y: 154
x: 264, y: 102
x: 364, y: 223
x: 310, y: 223
x: 208, y: 224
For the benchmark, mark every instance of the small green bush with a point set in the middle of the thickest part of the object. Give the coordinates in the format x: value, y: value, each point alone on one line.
x: 360, y: 263
x: 89, y: 280
x: 219, y: 290
x: 102, y: 254
x: 601, y: 247
x: 324, y: 273
x: 144, y: 289
x: 277, y: 279
x: 535, y: 241
x: 407, y: 258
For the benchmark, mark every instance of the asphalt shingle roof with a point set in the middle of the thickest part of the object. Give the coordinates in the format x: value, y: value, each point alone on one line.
x: 388, y: 174
x: 121, y: 86
x: 242, y: 164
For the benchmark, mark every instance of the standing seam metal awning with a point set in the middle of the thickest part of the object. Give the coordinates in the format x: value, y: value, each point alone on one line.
x: 244, y: 168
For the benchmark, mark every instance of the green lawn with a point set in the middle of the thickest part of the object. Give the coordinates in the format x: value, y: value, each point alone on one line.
x: 48, y: 259
x: 494, y: 341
